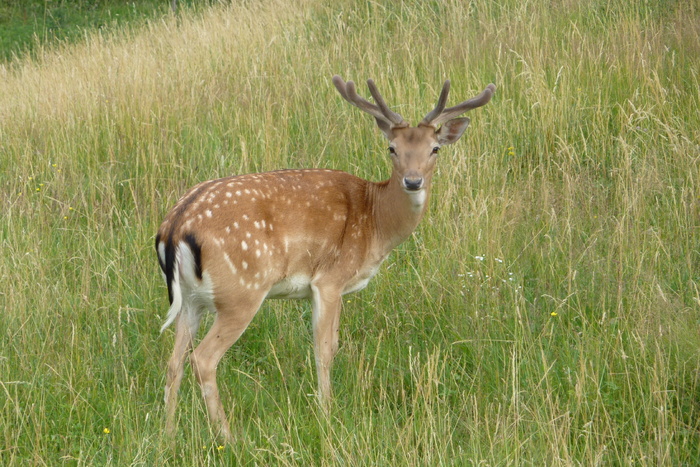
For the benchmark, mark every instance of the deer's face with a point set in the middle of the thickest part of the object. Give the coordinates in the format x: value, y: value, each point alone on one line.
x: 413, y: 152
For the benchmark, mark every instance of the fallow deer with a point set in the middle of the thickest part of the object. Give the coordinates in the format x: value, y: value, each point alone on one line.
x: 229, y: 244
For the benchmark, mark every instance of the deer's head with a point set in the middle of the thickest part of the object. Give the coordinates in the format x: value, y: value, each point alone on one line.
x: 414, y: 150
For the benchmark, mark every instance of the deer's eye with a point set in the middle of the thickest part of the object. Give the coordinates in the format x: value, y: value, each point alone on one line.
x: 392, y: 151
x: 435, y: 150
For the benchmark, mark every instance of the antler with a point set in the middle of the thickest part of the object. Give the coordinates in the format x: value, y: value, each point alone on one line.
x: 380, y: 110
x: 439, y: 114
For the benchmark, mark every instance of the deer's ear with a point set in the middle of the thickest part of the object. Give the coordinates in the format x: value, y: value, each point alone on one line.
x: 452, y: 130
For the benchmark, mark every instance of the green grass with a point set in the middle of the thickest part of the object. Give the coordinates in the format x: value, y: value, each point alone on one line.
x: 29, y: 25
x: 546, y: 311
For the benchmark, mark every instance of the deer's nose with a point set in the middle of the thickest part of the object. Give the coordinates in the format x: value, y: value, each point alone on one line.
x: 412, y: 183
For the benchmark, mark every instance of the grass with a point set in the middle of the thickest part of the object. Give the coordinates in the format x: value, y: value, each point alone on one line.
x: 26, y: 26
x: 557, y: 325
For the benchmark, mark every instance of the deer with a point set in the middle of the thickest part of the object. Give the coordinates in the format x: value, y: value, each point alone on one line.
x: 230, y: 243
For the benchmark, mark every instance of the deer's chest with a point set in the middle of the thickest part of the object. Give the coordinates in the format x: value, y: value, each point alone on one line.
x: 363, y: 276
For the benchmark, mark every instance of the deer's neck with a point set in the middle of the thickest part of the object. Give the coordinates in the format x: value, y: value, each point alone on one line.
x: 396, y: 213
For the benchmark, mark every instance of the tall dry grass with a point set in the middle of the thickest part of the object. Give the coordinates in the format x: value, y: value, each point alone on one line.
x: 546, y: 311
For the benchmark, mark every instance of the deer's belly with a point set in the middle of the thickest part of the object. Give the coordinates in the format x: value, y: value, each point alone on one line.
x: 299, y: 285
x: 295, y: 286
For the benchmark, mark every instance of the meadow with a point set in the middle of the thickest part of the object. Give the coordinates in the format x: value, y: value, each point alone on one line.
x: 545, y: 312
x: 32, y: 25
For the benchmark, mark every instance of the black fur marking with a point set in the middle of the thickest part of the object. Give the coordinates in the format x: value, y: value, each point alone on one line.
x: 170, y: 267
x: 196, y: 252
x: 160, y: 261
x: 167, y: 270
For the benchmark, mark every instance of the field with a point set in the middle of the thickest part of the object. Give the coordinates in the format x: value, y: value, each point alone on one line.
x: 27, y: 26
x: 545, y: 312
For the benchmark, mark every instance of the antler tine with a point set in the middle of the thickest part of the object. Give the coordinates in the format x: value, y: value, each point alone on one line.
x: 340, y: 86
x: 347, y: 90
x: 473, y: 103
x: 440, y: 105
x: 394, y: 118
x: 381, y: 111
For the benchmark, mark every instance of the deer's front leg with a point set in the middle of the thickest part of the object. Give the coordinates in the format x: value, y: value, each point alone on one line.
x: 326, y: 312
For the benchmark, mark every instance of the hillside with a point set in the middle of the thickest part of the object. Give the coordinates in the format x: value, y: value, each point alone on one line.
x: 545, y: 312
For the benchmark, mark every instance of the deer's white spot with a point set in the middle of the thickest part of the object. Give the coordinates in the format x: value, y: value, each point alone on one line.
x: 230, y: 264
x: 244, y: 245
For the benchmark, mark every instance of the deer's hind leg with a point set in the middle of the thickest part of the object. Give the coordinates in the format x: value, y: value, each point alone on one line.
x: 233, y: 317
x: 186, y: 328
